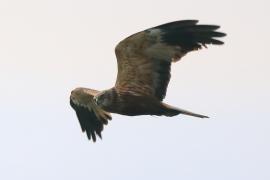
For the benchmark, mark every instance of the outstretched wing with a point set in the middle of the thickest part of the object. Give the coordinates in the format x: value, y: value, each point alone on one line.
x: 144, y: 59
x: 91, y: 117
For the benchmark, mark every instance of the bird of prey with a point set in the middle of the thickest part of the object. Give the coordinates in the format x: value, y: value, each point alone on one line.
x: 144, y: 63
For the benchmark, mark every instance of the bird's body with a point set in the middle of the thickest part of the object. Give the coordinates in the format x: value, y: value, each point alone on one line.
x: 144, y: 64
x: 129, y: 104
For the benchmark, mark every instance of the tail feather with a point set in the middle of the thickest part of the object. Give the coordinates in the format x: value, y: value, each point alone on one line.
x: 173, y: 111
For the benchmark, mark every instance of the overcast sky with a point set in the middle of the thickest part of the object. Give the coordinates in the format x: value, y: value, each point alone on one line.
x: 49, y: 47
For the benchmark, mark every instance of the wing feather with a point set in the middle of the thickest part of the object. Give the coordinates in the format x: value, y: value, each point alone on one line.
x: 144, y: 59
x: 91, y: 117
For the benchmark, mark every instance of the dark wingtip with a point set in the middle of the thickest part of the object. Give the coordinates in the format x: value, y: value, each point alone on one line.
x: 89, y: 122
x: 88, y: 135
x: 190, y: 36
x: 222, y: 34
x: 94, y: 136
x: 187, y: 21
x: 176, y: 24
x: 99, y: 135
x: 216, y: 42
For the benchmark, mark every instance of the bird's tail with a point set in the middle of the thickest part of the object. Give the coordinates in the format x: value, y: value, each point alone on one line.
x: 173, y: 111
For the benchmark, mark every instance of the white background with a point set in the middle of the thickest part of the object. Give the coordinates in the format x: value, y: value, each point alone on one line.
x: 47, y: 48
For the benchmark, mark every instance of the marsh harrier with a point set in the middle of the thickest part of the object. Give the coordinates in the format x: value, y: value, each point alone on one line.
x: 144, y: 63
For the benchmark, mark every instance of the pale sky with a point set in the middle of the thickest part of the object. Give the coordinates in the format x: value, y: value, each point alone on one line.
x: 47, y: 48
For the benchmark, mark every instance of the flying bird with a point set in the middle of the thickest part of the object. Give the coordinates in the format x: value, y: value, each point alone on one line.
x: 144, y: 63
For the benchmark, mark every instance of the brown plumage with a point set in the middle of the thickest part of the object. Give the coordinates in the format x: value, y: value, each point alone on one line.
x: 144, y: 64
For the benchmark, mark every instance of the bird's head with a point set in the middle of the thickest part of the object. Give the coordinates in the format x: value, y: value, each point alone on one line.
x: 103, y: 99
